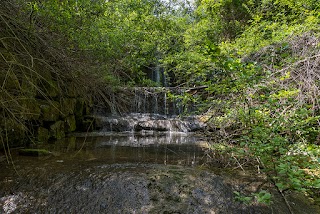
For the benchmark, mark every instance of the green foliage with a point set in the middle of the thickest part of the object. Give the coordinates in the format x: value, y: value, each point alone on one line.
x: 257, y: 60
x: 126, y: 38
x: 228, y: 17
x: 273, y: 21
x: 262, y: 197
x: 241, y: 198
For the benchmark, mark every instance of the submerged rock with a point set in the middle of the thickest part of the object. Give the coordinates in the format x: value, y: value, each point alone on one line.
x: 34, y: 152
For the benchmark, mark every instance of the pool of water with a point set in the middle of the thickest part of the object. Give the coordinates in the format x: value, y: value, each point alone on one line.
x: 145, y: 172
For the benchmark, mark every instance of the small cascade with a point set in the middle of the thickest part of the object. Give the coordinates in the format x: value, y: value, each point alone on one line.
x: 156, y: 104
x: 148, y: 109
x: 165, y: 104
x: 152, y: 100
x: 138, y: 122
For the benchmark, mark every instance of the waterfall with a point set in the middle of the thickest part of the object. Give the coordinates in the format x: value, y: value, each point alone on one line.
x: 148, y: 100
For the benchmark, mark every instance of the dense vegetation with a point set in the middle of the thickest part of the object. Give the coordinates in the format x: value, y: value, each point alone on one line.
x: 258, y: 60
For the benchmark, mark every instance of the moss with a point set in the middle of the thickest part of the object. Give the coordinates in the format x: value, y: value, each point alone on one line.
x: 57, y: 130
x: 67, y: 106
x: 31, y: 109
x: 49, y: 110
x: 34, y: 152
x: 70, y: 123
x: 49, y: 88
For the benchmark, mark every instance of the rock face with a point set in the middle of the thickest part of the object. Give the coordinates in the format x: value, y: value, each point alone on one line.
x: 45, y: 119
x: 130, y: 188
x: 148, y: 122
x: 127, y: 189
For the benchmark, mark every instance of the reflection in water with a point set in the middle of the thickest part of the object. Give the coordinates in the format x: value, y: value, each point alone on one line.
x: 165, y: 148
x: 126, y: 173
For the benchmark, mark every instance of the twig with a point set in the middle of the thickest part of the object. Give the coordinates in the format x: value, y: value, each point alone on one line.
x: 298, y: 62
x: 238, y: 163
x: 285, y: 199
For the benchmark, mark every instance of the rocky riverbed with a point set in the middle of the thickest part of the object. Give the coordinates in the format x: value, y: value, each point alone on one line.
x: 126, y: 173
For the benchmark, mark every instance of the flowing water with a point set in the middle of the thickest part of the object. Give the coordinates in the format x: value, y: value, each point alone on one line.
x: 146, y: 171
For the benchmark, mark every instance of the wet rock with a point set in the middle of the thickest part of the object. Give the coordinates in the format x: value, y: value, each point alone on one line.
x: 151, y: 122
x: 157, y: 125
x: 127, y: 188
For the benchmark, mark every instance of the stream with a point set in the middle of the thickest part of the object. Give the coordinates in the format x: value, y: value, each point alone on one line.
x: 135, y: 171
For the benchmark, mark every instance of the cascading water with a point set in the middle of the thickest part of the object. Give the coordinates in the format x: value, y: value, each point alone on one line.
x: 147, y: 100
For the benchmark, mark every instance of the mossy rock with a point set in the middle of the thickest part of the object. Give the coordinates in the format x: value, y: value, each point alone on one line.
x: 31, y: 109
x: 34, y: 152
x: 43, y: 135
x: 67, y: 106
x: 49, y: 110
x: 57, y: 130
x: 70, y: 123
x: 48, y: 88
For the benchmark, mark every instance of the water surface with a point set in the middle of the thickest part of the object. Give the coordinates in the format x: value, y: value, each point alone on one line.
x: 145, y: 172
